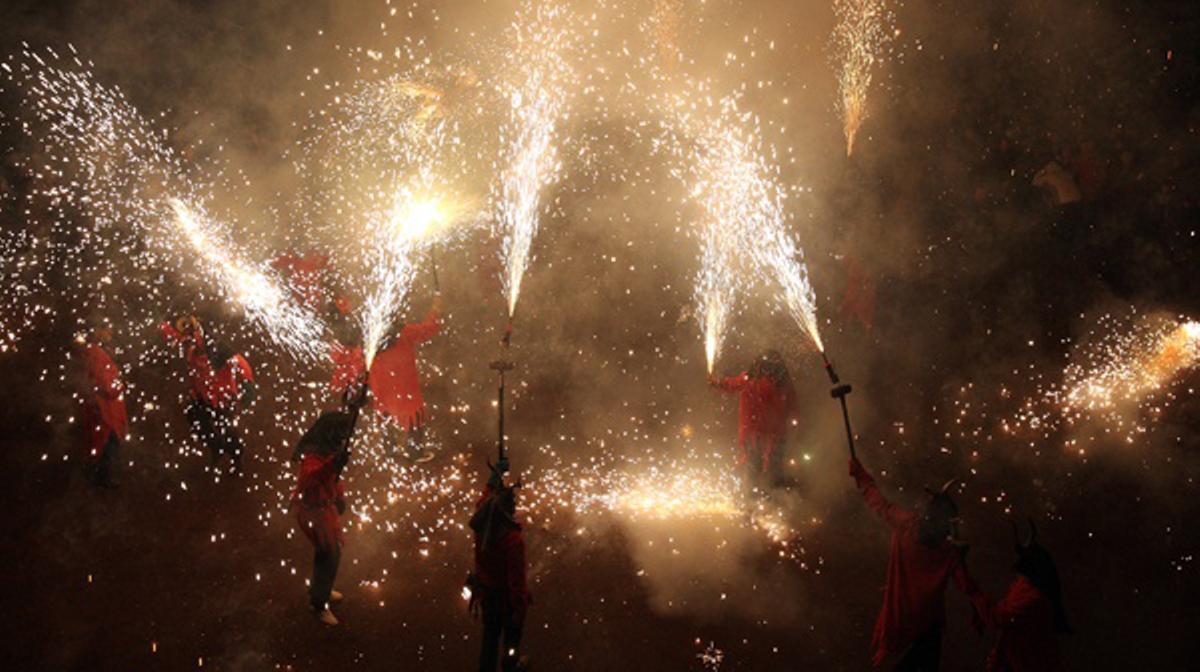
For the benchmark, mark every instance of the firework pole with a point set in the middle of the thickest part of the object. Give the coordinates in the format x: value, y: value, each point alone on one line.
x: 839, y: 392
x: 437, y: 287
x: 501, y: 366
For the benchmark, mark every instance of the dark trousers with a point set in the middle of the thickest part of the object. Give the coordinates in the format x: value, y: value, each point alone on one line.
x: 215, y: 429
x: 101, y: 471
x: 925, y: 654
x: 500, y: 626
x: 325, y: 566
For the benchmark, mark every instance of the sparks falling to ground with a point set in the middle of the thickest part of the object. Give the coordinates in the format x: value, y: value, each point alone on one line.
x: 858, y: 40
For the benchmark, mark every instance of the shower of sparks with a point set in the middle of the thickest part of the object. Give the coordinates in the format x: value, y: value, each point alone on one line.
x: 723, y: 160
x: 1121, y: 381
x: 1133, y: 365
x: 398, y: 232
x: 113, y: 166
x: 530, y: 161
x: 251, y: 288
x: 861, y: 32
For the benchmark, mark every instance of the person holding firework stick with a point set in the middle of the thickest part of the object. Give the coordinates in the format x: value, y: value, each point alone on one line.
x: 319, y: 499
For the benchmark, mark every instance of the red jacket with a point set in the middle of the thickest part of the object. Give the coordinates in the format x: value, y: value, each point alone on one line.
x: 393, y: 378
x: 224, y: 386
x: 315, y: 500
x: 303, y: 274
x: 1028, y: 641
x: 103, y: 400
x: 348, y: 366
x: 219, y: 389
x: 764, y: 409
x: 914, y: 596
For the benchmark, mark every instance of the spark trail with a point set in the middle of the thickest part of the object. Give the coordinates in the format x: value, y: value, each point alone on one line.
x: 114, y: 168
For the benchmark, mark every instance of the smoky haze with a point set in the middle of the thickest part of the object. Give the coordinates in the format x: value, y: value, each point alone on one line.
x: 946, y: 282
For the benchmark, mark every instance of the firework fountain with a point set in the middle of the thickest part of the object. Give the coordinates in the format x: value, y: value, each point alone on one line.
x: 858, y: 39
x: 536, y: 101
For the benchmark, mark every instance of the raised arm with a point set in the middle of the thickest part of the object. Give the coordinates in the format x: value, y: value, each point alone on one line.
x: 893, y: 515
x: 729, y: 384
x: 423, y: 331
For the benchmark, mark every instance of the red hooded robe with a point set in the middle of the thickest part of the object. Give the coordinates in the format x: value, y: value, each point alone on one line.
x: 1028, y: 640
x: 501, y: 567
x: 764, y: 408
x: 914, y: 596
x: 103, y: 403
x: 393, y: 378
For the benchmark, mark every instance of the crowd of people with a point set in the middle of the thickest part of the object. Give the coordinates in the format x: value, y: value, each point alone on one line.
x: 926, y: 553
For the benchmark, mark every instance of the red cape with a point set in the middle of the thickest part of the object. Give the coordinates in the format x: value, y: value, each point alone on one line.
x: 393, y: 378
x: 303, y: 274
x: 103, y: 402
x: 348, y: 366
x: 764, y: 409
x: 315, y: 500
x: 1028, y: 641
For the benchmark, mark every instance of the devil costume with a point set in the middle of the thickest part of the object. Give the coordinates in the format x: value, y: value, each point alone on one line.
x: 104, y: 419
x: 395, y: 385
x: 319, y: 498
x: 911, y: 620
x: 218, y: 384
x: 1031, y: 616
x: 766, y: 401
x: 499, y: 580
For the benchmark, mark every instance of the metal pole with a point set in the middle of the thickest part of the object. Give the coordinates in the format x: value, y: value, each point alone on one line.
x: 839, y: 392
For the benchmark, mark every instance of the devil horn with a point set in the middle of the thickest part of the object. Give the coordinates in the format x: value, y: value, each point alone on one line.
x: 948, y: 484
x: 1032, y: 532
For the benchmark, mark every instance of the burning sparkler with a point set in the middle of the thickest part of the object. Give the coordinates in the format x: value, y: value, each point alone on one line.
x: 739, y: 191
x: 252, y: 289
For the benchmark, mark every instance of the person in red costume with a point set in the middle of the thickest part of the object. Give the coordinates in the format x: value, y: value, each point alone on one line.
x: 499, y: 592
x: 925, y: 556
x: 766, y: 405
x: 221, y: 382
x: 319, y: 499
x: 105, y: 422
x: 303, y: 273
x: 1031, y: 616
x: 396, y: 386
